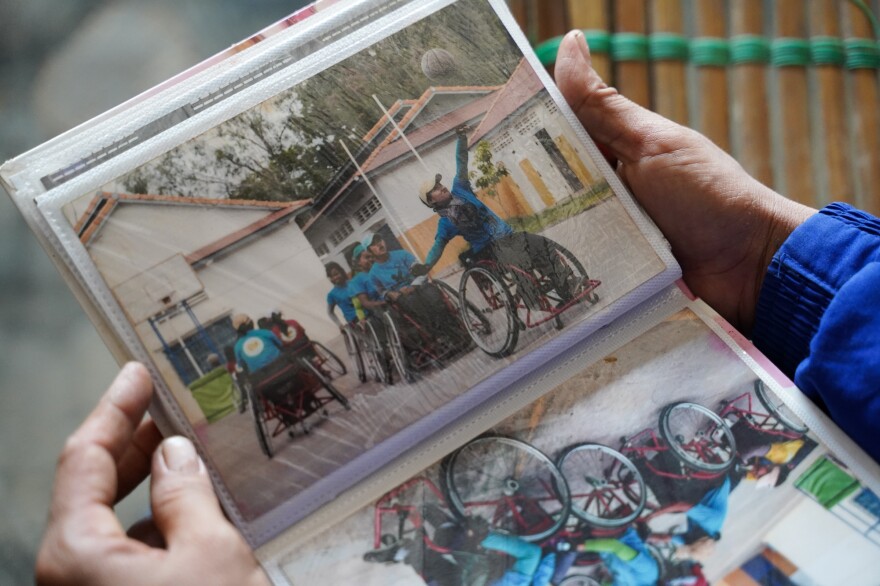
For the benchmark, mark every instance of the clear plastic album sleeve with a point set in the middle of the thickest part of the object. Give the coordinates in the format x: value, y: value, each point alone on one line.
x: 419, y: 330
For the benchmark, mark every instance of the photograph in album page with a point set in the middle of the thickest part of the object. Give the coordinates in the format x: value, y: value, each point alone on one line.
x: 668, y: 462
x: 317, y: 273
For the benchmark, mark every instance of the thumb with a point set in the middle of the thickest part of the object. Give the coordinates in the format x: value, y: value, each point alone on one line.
x: 181, y: 495
x: 624, y: 127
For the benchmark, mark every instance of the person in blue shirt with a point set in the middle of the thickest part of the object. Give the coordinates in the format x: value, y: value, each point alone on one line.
x: 392, y: 276
x: 255, y: 349
x: 463, y: 214
x: 361, y: 286
x: 339, y: 295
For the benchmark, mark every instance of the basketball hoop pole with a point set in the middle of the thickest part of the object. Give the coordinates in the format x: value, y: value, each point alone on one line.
x: 402, y: 135
x: 381, y: 199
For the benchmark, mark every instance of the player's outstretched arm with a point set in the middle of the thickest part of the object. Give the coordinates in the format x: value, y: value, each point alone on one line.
x: 724, y: 226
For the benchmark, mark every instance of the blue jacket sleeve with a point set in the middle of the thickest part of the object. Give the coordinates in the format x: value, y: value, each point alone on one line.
x: 445, y: 232
x: 817, y: 317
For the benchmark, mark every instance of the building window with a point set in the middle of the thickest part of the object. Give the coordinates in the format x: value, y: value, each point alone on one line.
x: 322, y: 249
x: 368, y: 210
x: 528, y: 124
x: 341, y: 233
x: 503, y: 141
x: 213, y: 339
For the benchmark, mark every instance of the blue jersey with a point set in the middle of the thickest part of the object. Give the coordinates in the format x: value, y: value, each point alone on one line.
x: 394, y: 273
x: 341, y: 297
x: 257, y: 349
x: 361, y: 283
x: 466, y: 216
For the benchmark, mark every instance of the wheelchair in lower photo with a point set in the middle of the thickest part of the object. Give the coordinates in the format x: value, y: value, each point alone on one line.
x: 285, y: 393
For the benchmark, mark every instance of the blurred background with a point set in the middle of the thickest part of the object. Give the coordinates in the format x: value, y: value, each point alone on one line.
x: 789, y: 87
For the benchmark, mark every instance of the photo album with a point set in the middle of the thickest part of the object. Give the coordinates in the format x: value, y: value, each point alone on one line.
x: 420, y: 332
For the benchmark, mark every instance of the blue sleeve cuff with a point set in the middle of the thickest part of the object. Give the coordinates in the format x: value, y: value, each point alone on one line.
x: 810, y: 267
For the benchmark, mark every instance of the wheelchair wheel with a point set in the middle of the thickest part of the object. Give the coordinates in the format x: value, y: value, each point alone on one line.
x: 572, y: 270
x: 258, y: 410
x: 510, y: 484
x: 398, y: 352
x: 467, y: 313
x: 491, y: 319
x: 377, y: 361
x: 698, y: 437
x: 329, y: 360
x: 355, y: 353
x: 606, y: 488
x: 325, y: 382
x: 779, y: 410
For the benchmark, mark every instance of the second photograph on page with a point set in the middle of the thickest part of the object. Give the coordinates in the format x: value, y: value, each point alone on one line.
x: 319, y: 272
x: 669, y: 462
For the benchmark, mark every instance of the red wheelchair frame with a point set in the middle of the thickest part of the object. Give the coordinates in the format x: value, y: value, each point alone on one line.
x: 408, y: 359
x: 772, y: 420
x: 295, y: 381
x: 494, y: 282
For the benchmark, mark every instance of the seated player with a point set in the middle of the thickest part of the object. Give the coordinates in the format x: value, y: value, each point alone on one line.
x: 255, y: 349
x: 463, y: 214
x: 361, y: 287
x: 394, y: 281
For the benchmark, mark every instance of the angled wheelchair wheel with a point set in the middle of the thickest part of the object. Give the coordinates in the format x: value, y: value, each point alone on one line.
x: 489, y: 311
x: 698, y: 437
x: 397, y: 350
x: 779, y: 410
x: 325, y: 382
x: 572, y: 271
x: 355, y: 353
x: 606, y: 488
x: 261, y: 425
x: 511, y: 484
x: 329, y: 360
x: 377, y: 361
x: 467, y: 313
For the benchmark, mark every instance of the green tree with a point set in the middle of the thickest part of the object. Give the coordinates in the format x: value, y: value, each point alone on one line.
x: 490, y: 174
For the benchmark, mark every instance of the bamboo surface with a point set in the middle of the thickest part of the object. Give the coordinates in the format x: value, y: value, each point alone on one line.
x: 593, y: 15
x: 669, y: 78
x: 631, y: 77
x: 810, y: 131
x: 794, y: 167
x: 750, y: 110
x: 864, y: 120
x: 830, y: 136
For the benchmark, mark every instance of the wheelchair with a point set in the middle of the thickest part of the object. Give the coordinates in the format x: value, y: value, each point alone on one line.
x: 414, y: 345
x: 285, y: 393
x: 511, y: 298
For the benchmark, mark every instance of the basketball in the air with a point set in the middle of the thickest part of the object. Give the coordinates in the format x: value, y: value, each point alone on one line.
x: 438, y: 64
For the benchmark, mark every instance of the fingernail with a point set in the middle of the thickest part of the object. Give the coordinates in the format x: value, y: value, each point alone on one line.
x: 582, y: 45
x: 180, y: 455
